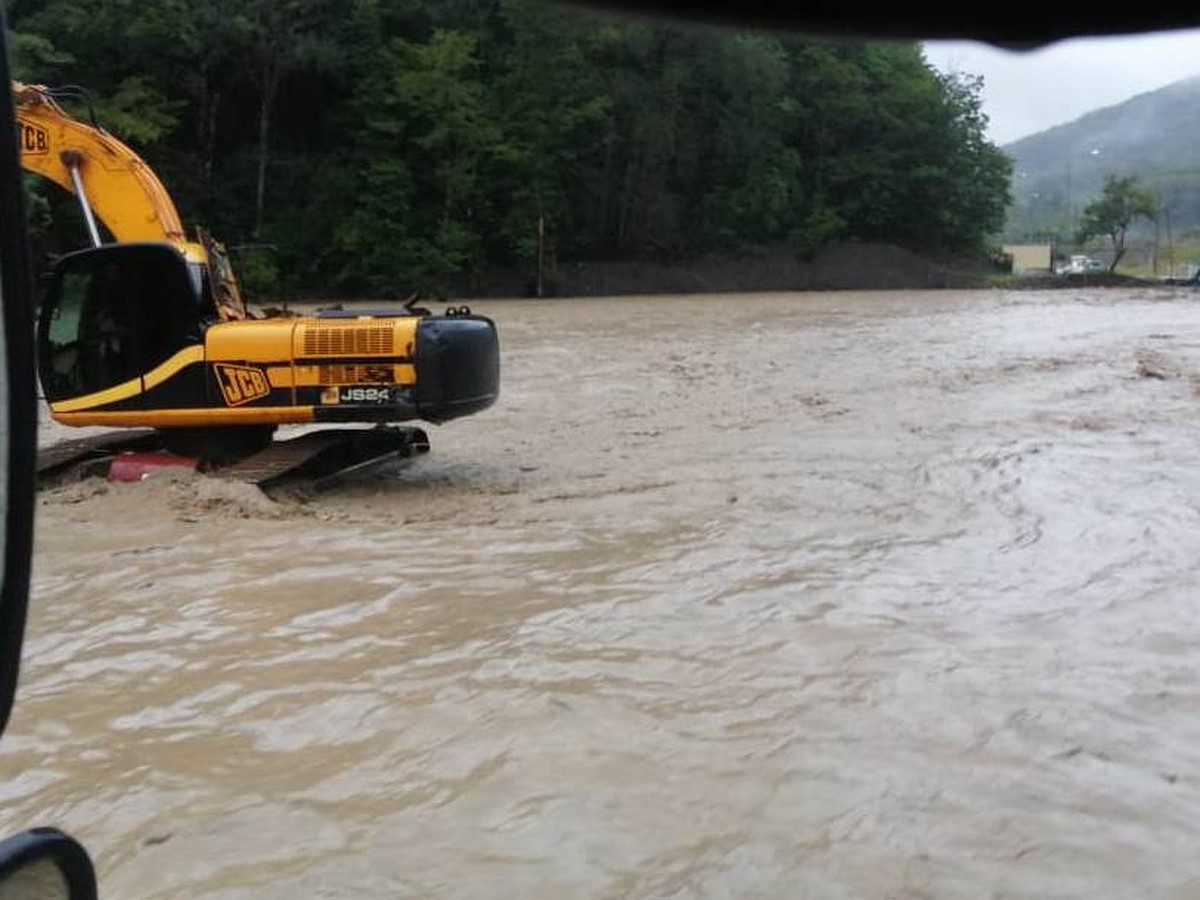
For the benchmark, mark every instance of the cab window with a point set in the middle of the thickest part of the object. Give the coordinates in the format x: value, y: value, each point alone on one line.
x: 113, y: 313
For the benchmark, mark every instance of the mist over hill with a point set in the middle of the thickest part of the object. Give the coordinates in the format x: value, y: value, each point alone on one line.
x: 1154, y: 136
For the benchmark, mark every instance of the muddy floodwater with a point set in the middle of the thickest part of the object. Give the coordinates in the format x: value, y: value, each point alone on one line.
x: 859, y: 595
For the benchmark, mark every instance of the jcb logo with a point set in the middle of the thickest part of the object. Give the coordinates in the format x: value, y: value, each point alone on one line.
x: 241, y: 384
x: 34, y: 141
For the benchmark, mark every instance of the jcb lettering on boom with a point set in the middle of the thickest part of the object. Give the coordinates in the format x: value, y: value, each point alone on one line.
x: 241, y: 384
x: 34, y: 140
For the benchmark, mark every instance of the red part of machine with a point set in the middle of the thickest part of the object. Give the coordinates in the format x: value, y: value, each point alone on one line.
x: 140, y: 466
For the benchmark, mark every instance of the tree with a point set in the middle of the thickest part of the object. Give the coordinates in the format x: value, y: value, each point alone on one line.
x: 972, y: 177
x: 382, y: 146
x: 1121, y: 202
x: 278, y: 37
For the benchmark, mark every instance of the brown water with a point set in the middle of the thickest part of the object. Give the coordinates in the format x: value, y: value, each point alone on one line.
x: 883, y: 595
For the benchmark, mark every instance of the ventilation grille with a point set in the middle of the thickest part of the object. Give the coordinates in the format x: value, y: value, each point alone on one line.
x: 349, y: 340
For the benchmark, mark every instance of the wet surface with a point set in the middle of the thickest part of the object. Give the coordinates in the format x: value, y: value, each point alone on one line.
x: 842, y: 595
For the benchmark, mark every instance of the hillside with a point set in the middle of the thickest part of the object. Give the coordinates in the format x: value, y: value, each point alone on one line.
x: 374, y: 149
x: 1154, y: 136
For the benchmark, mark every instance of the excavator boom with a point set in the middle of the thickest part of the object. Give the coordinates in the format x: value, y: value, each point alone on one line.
x: 123, y: 191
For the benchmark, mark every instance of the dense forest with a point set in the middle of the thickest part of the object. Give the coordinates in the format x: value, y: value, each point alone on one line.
x: 373, y: 147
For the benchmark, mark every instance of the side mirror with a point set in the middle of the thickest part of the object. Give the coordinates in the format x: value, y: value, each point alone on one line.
x: 18, y: 398
x: 45, y: 864
x: 42, y: 862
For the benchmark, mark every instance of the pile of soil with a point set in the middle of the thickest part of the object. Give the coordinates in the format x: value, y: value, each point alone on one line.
x: 852, y: 266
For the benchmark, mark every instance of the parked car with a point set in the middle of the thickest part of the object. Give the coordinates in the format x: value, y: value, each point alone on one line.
x: 1081, y: 264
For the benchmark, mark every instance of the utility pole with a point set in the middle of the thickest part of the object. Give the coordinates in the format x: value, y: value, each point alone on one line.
x: 1070, y: 200
x: 541, y: 251
x: 1154, y: 252
x: 1170, y: 245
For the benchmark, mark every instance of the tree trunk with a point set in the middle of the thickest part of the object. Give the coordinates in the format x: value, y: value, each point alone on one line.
x: 1118, y: 240
x: 210, y: 101
x: 269, y: 85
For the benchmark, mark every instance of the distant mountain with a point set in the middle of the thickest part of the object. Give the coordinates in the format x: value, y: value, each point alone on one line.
x: 1154, y: 136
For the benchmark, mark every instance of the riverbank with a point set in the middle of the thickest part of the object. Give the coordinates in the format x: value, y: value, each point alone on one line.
x: 1090, y: 280
x: 853, y: 266
x: 850, y: 267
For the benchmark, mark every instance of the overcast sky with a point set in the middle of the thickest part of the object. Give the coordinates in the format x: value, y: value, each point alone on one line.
x: 1026, y: 92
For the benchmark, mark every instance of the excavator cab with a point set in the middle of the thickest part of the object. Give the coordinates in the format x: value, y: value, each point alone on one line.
x: 113, y: 313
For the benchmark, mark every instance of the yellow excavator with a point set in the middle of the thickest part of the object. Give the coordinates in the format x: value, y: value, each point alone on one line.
x: 147, y: 329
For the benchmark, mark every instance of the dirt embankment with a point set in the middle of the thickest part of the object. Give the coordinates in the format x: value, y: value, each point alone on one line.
x: 852, y: 266
x: 855, y: 266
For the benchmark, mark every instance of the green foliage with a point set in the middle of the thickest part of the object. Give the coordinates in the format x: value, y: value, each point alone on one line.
x: 1121, y: 202
x: 257, y: 272
x: 138, y: 112
x: 387, y: 147
x: 33, y: 54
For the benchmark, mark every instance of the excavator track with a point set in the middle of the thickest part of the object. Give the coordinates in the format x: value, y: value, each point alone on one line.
x: 324, y: 457
x: 79, y: 456
x: 318, y: 459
